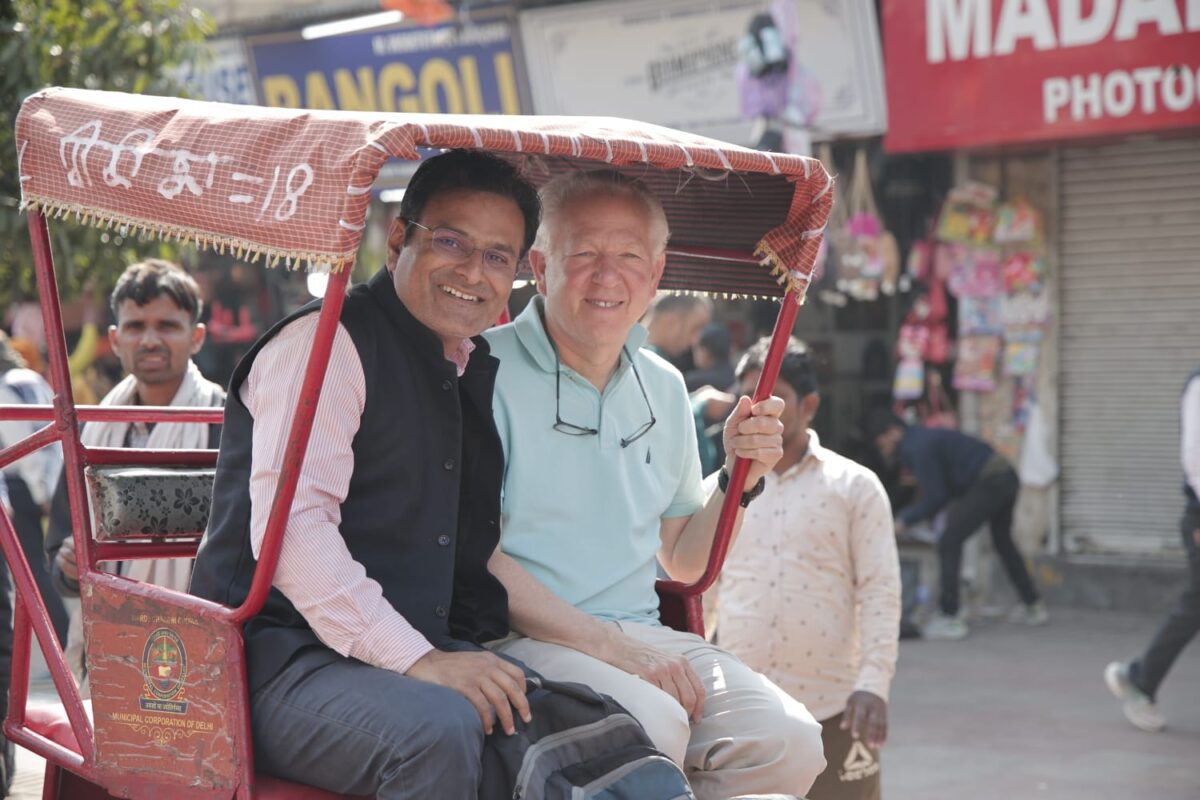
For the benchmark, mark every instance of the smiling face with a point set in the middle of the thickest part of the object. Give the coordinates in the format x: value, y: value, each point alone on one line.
x: 599, y: 271
x: 154, y: 342
x: 457, y: 299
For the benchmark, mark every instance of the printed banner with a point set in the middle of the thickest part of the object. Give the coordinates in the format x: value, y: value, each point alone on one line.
x: 445, y: 69
x: 966, y: 73
x: 678, y: 63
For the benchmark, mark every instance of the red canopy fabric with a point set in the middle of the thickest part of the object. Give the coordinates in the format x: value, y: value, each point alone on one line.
x: 293, y: 186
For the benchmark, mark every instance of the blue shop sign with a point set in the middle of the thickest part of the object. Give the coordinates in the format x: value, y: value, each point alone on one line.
x: 444, y: 69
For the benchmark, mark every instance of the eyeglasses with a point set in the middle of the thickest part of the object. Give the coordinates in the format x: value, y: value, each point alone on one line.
x: 459, y: 248
x: 571, y: 429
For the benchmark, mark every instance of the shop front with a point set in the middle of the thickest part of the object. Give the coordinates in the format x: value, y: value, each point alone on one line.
x: 1090, y: 114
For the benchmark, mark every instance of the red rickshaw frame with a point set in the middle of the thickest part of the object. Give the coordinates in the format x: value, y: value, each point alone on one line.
x: 680, y: 602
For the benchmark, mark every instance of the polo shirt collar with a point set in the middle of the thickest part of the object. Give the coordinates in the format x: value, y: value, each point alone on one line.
x: 531, y: 333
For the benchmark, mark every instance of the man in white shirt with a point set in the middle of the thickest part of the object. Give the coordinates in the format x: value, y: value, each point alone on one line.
x: 157, y: 309
x: 810, y: 593
x: 1135, y: 683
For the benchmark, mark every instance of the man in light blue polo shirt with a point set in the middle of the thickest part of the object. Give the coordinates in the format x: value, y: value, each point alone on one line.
x: 603, y: 477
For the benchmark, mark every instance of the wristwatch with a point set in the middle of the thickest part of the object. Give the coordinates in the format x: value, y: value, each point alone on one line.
x: 748, y: 495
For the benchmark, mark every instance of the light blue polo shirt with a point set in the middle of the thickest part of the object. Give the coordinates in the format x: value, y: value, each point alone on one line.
x: 582, y: 513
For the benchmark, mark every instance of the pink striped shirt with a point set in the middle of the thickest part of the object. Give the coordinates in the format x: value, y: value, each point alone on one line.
x: 345, y: 608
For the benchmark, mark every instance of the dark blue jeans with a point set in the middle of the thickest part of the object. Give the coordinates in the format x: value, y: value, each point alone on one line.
x: 351, y: 728
x: 1181, y: 625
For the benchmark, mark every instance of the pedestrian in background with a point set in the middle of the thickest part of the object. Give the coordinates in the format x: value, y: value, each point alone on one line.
x: 673, y: 326
x: 157, y: 308
x: 25, y: 490
x: 1136, y: 683
x: 976, y: 485
x: 713, y: 356
x: 810, y: 592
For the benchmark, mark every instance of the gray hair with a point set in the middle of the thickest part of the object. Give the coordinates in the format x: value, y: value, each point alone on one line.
x: 571, y: 186
x: 667, y: 303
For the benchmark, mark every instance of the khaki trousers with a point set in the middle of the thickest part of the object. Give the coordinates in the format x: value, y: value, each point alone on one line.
x: 753, y: 737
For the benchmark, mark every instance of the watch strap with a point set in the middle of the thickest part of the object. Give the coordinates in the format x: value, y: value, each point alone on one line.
x: 748, y: 495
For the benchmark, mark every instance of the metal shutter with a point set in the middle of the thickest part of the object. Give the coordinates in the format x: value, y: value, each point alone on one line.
x: 1130, y: 336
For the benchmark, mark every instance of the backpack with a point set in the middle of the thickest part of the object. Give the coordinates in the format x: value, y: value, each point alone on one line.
x: 579, y: 745
x: 762, y: 48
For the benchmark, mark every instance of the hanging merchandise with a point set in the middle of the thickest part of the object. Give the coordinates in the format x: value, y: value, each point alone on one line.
x: 970, y: 271
x: 869, y: 258
x: 923, y: 339
x: 923, y: 333
x: 912, y: 342
x: 1037, y: 465
x: 910, y: 379
x: 1021, y: 357
x: 968, y: 215
x: 975, y: 369
x: 921, y: 260
x: 1017, y: 223
x: 1024, y: 270
x: 980, y: 315
x: 1024, y: 314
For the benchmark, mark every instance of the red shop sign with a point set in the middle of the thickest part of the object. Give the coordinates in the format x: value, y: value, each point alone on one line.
x: 963, y: 73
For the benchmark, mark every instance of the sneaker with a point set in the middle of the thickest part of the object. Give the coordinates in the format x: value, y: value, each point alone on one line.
x: 1138, y: 707
x: 1032, y: 614
x: 943, y: 626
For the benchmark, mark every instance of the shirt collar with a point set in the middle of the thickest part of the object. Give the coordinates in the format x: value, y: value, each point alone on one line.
x: 531, y: 332
x: 815, y: 452
x: 461, y: 355
x: 384, y: 290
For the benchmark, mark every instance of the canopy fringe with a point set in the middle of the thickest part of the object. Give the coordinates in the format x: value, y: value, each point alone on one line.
x: 792, y: 280
x: 242, y: 249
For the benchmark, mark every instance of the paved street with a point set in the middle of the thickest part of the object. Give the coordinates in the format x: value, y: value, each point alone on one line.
x: 1012, y: 713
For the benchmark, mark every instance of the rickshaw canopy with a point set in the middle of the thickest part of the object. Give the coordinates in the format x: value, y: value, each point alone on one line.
x: 292, y: 187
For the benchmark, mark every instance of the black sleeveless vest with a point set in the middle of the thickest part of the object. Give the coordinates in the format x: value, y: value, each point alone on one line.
x: 423, y: 508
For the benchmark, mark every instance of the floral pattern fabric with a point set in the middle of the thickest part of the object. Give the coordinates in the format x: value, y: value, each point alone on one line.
x: 141, y: 502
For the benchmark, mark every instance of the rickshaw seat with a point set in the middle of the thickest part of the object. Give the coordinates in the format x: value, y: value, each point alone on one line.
x: 679, y: 610
x: 136, y: 502
x: 50, y: 720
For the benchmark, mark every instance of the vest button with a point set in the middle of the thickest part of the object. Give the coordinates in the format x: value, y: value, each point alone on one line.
x: 448, y: 464
x: 447, y: 385
x: 443, y: 540
x: 440, y: 611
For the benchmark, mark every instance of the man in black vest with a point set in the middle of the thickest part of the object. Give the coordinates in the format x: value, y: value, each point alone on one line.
x: 365, y: 672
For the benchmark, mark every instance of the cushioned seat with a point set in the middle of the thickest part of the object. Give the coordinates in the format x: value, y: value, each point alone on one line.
x: 50, y: 720
x: 150, y: 502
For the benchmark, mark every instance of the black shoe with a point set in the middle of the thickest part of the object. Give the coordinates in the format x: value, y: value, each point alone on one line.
x: 909, y: 629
